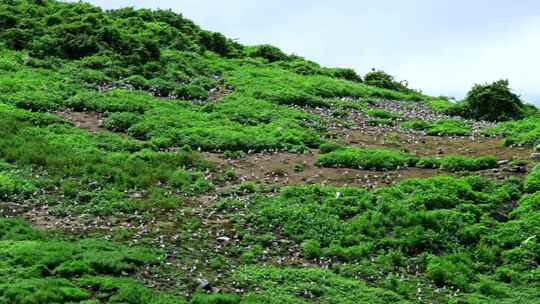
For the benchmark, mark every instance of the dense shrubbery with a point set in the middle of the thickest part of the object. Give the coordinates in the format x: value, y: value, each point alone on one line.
x: 172, y: 88
x: 385, y: 159
x: 444, y: 127
x: 37, y: 269
x: 492, y: 102
x: 382, y: 114
x: 447, y: 228
x: 365, y: 159
x: 462, y: 163
x: 532, y: 182
x: 383, y: 80
x: 524, y: 132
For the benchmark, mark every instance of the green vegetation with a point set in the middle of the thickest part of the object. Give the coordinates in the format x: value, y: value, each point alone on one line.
x: 385, y: 159
x: 446, y: 229
x: 132, y: 132
x: 492, y: 102
x: 445, y: 127
x: 369, y: 159
x: 462, y: 163
x: 381, y: 79
x: 379, y: 113
x: 532, y: 182
x: 525, y: 132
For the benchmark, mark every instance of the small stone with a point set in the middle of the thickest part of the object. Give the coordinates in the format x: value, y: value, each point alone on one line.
x: 223, y: 239
x: 503, y: 162
x: 204, y: 284
x: 519, y: 169
x: 535, y: 156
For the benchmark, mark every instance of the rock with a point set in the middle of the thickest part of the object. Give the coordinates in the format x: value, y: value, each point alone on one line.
x: 203, y: 284
x: 535, y: 156
x: 537, y: 148
x: 223, y: 239
x: 519, y: 169
x: 503, y: 162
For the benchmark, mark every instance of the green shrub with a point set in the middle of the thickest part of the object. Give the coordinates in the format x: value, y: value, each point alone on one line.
x: 268, y: 52
x: 428, y: 163
x: 381, y: 79
x: 379, y: 113
x: 191, y: 92
x: 493, y: 102
x: 12, y: 185
x: 328, y: 147
x: 369, y: 159
x: 449, y: 127
x: 381, y: 122
x: 525, y: 132
x: 215, y: 299
x: 416, y: 124
x: 452, y: 270
x: 462, y: 163
x: 311, y: 249
x: 532, y: 181
x: 121, y: 121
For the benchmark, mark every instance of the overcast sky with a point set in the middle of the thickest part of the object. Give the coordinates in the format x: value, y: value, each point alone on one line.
x: 440, y: 47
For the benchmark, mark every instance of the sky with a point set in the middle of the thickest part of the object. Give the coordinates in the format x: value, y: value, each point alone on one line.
x: 440, y: 47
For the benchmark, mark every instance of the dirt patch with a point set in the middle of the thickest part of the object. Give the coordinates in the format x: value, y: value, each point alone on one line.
x: 90, y: 121
x: 433, y: 145
x: 298, y: 169
x: 218, y: 93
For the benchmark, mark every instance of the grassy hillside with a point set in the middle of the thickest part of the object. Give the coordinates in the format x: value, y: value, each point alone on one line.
x: 146, y: 160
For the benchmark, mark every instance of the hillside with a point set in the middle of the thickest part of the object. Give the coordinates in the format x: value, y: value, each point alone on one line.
x: 146, y: 160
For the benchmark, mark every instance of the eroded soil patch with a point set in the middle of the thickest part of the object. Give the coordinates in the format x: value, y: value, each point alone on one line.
x: 90, y: 121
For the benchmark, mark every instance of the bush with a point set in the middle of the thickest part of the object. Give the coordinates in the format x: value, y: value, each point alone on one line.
x: 268, y: 52
x: 328, y: 147
x: 416, y: 124
x: 383, y: 114
x: 215, y: 299
x: 311, y: 249
x: 532, y: 181
x: 449, y: 127
x: 121, y: 121
x: 450, y: 270
x: 462, y: 163
x: 369, y: 159
x: 428, y: 163
x: 493, y: 102
x: 12, y: 185
x: 191, y: 92
x: 383, y: 80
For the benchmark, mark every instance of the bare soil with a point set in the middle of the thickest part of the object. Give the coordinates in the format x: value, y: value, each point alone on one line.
x: 90, y: 121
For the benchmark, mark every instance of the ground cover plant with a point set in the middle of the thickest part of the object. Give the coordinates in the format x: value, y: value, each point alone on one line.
x: 445, y: 230
x: 387, y: 159
x: 126, y: 143
x: 523, y: 132
x: 445, y: 127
